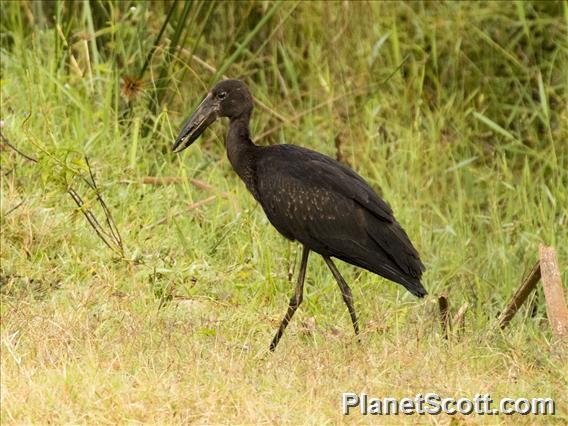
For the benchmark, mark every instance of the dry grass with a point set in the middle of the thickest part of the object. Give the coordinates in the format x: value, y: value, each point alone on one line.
x: 108, y: 358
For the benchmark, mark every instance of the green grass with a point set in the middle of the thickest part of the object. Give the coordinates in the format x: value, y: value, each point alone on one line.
x: 455, y: 112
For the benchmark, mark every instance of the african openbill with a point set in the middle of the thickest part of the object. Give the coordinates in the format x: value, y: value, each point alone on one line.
x: 310, y: 198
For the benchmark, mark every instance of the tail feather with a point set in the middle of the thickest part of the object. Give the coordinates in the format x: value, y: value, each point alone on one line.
x: 393, y: 241
x: 412, y: 284
x: 415, y: 287
x: 375, y: 261
x: 384, y: 249
x: 395, y: 258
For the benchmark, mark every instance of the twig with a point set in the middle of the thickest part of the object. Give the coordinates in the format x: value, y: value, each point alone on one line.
x: 339, y: 149
x: 14, y: 208
x: 520, y: 296
x: 444, y: 307
x: 91, y: 218
x: 459, y: 318
x: 105, y: 236
x: 108, y: 215
x: 7, y: 142
x: 190, y: 207
x: 166, y: 180
x: 171, y: 180
x: 9, y: 172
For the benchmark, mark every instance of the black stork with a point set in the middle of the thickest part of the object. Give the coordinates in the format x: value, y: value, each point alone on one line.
x: 310, y: 198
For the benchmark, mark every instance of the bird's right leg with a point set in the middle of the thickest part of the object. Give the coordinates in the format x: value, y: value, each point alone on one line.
x: 295, y: 300
x: 345, y: 292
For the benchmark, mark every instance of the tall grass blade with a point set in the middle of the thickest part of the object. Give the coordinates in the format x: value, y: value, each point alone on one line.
x: 157, y: 40
x: 494, y: 126
x: 243, y: 45
x: 134, y: 143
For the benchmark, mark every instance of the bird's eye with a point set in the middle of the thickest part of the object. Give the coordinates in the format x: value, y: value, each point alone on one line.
x: 222, y: 95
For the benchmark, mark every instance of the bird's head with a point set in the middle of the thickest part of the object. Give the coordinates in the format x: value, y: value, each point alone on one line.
x: 229, y: 98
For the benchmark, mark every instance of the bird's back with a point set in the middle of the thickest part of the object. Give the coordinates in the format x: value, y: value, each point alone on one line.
x: 325, y: 205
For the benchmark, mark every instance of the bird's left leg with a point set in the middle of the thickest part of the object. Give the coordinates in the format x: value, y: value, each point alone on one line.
x: 295, y: 300
x: 345, y: 292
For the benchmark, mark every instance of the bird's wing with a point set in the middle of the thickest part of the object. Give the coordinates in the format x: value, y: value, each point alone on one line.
x: 307, y: 209
x: 316, y: 200
x: 322, y: 171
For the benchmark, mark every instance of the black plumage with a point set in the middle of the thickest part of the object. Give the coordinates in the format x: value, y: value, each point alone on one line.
x: 310, y: 198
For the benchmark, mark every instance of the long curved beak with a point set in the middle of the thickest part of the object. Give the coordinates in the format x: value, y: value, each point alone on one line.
x: 205, y: 114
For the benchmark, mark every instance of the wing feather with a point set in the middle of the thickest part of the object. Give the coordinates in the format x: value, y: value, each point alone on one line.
x: 316, y: 200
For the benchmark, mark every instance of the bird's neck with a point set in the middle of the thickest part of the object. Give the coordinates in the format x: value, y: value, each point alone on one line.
x: 241, y: 150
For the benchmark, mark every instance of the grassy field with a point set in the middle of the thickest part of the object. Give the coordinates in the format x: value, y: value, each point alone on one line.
x: 455, y: 112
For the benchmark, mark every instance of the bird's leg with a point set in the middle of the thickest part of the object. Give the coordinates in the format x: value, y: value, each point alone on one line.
x: 345, y: 292
x: 295, y: 300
